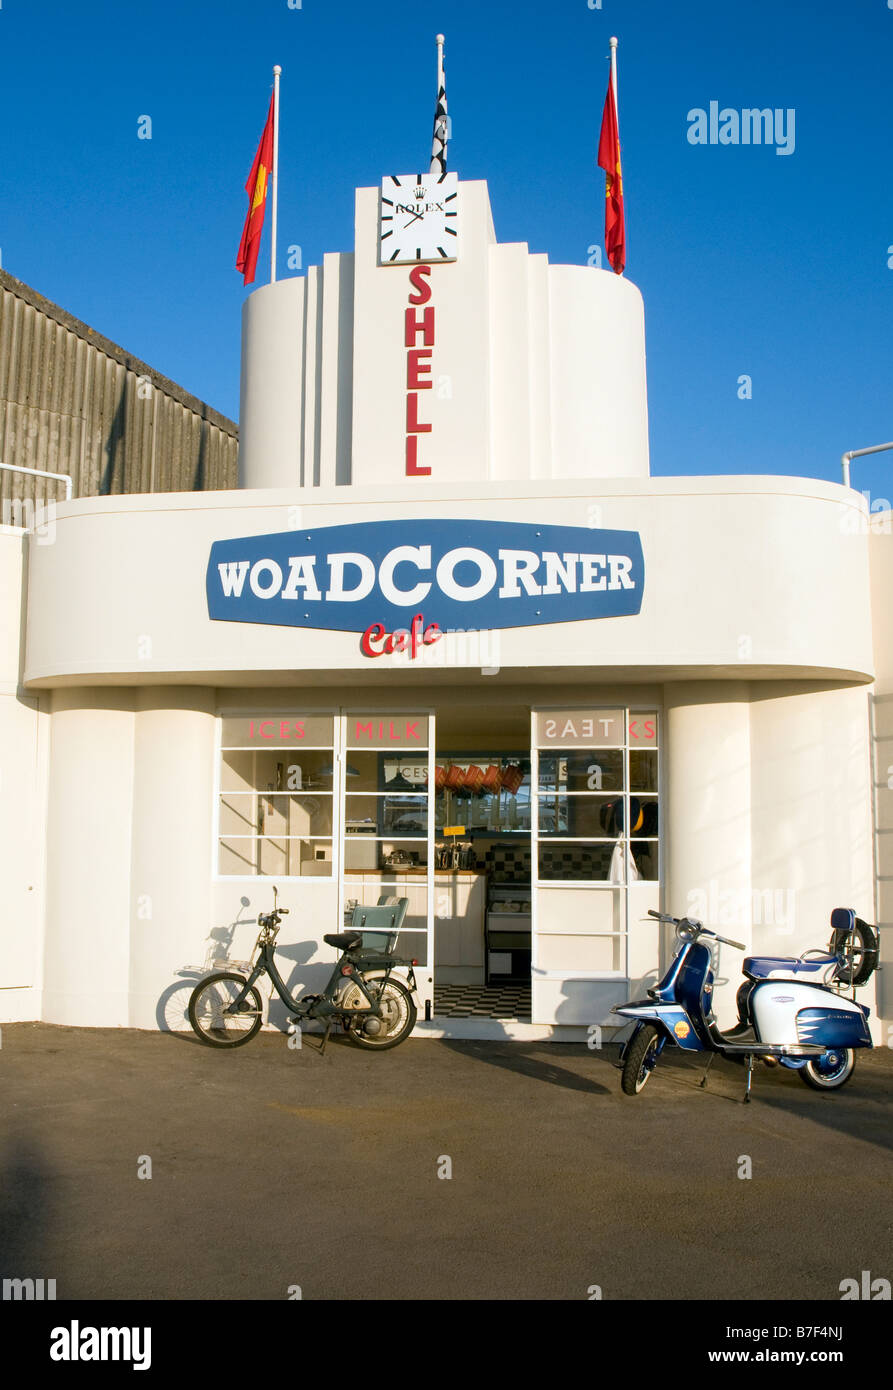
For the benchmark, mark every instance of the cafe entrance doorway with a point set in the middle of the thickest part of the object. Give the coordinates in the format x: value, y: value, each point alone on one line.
x: 482, y: 864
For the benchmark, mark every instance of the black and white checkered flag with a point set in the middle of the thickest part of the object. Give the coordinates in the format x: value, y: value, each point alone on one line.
x: 441, y: 126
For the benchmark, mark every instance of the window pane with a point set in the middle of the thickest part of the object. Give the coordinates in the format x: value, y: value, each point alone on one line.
x: 237, y: 772
x: 277, y: 731
x: 366, y: 852
x: 404, y: 774
x: 376, y: 772
x: 294, y: 771
x: 642, y: 730
x: 581, y: 770
x: 406, y: 814
x: 580, y: 728
x: 237, y: 856
x: 403, y: 733
x: 295, y: 857
x: 642, y: 771
x: 244, y: 856
x: 237, y: 814
x: 295, y: 815
x: 588, y: 816
x: 645, y: 856
x: 574, y: 861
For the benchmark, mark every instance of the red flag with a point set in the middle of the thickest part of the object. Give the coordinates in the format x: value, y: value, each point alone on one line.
x: 609, y: 160
x: 256, y: 188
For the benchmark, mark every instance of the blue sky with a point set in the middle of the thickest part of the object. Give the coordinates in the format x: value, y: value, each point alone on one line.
x: 750, y: 262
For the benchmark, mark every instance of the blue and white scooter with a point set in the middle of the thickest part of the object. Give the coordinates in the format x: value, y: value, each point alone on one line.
x: 790, y: 1011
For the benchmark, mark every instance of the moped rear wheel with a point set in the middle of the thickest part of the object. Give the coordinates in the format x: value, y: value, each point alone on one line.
x: 640, y: 1060
x: 207, y: 1003
x: 830, y: 1071
x: 396, y: 1023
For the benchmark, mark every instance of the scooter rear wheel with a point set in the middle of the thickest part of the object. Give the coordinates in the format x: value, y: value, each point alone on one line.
x: 830, y: 1071
x: 640, y: 1060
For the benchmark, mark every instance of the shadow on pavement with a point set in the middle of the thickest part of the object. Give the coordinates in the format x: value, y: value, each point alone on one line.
x: 525, y: 1061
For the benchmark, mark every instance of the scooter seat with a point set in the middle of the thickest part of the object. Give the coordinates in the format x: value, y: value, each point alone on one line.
x: 780, y: 967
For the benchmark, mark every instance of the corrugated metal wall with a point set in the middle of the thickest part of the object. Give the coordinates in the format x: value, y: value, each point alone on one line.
x: 73, y: 402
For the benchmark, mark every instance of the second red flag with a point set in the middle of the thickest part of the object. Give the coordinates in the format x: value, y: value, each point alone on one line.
x: 256, y: 188
x: 609, y: 160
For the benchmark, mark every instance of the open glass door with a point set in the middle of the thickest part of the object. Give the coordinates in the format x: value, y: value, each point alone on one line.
x: 386, y: 769
x: 595, y: 856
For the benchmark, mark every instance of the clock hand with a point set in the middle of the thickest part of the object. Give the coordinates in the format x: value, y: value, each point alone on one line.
x: 412, y: 219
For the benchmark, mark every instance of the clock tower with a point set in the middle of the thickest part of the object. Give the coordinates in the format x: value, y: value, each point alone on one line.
x: 435, y: 355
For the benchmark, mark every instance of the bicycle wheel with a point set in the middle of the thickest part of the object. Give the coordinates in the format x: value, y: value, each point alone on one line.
x: 396, y: 1023
x: 206, y: 1011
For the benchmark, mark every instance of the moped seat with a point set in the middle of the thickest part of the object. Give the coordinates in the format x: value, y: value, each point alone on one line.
x: 344, y: 940
x: 762, y: 967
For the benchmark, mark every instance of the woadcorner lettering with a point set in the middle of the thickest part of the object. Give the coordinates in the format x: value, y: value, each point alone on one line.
x: 379, y: 577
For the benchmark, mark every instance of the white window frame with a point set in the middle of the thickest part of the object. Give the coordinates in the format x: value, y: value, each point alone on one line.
x: 590, y: 885
x: 279, y: 712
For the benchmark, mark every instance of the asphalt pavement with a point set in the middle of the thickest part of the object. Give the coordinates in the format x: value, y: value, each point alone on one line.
x: 148, y: 1166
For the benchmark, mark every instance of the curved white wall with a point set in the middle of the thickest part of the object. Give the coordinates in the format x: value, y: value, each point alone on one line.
x: 270, y: 439
x: 743, y: 577
x: 597, y: 372
x: 23, y: 737
x: 708, y: 859
x: 173, y: 768
x: 89, y: 836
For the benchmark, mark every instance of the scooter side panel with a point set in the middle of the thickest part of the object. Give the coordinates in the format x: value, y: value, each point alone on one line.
x: 834, y: 1027
x: 776, y: 1004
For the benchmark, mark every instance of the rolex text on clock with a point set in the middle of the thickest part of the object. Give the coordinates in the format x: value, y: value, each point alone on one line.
x: 418, y: 218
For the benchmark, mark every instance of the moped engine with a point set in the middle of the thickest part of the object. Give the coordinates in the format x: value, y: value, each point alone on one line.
x: 348, y: 995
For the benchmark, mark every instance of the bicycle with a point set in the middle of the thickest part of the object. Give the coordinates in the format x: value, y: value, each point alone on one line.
x: 375, y: 1009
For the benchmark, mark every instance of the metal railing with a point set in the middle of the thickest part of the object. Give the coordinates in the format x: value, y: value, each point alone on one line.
x: 41, y: 473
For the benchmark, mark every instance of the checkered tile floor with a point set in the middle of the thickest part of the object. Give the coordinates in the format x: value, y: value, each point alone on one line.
x: 482, y: 1001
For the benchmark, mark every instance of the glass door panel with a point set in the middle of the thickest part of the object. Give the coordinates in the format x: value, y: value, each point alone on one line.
x: 386, y: 770
x: 595, y: 855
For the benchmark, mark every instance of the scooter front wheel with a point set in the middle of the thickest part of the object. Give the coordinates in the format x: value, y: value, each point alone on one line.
x: 640, y: 1060
x: 830, y: 1071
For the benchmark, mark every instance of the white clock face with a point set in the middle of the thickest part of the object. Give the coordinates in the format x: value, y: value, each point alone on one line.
x: 418, y: 218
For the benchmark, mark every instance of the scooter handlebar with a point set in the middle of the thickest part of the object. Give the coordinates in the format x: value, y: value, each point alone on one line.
x: 679, y: 921
x: 727, y: 941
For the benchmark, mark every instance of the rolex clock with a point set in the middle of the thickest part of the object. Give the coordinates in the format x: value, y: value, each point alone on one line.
x: 418, y: 218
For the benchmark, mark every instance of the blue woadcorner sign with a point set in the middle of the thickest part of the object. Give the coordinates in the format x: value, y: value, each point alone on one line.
x: 464, y: 574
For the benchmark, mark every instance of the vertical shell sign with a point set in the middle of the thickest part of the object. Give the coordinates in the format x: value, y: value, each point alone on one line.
x: 464, y: 574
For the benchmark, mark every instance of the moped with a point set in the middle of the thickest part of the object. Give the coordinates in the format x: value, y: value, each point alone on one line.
x: 790, y: 1011
x: 373, y: 1006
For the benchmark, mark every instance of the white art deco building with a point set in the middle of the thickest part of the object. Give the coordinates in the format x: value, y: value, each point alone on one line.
x: 448, y: 639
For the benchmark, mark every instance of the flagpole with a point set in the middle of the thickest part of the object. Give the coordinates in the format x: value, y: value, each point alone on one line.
x: 439, y: 40
x: 274, y: 191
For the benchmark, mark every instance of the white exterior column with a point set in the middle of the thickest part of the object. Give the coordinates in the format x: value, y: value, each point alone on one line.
x: 708, y: 825
x: 88, y: 858
x: 171, y: 864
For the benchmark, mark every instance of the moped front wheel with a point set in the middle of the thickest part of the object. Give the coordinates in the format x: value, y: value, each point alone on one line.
x: 830, y: 1071
x: 398, y: 1018
x: 207, y: 1005
x: 640, y: 1060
